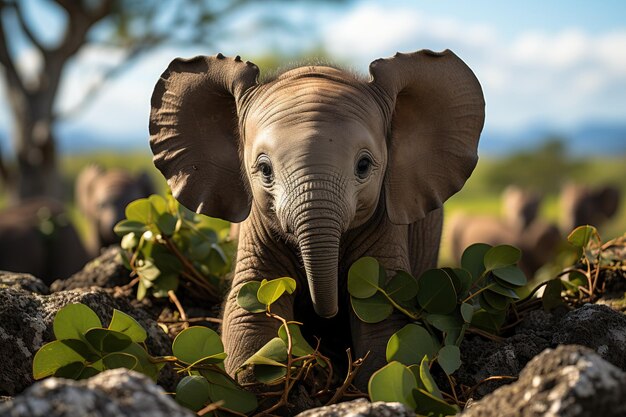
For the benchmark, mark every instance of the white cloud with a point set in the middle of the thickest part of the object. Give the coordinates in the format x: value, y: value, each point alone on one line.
x: 563, y: 77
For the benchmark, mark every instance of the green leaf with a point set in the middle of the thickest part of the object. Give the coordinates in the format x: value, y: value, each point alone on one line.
x: 444, y: 322
x: 247, y: 297
x: 486, y: 321
x: 501, y: 256
x: 393, y: 383
x: 496, y: 301
x: 436, y: 292
x: 142, y: 289
x: 107, y: 341
x: 551, y: 297
x: 165, y: 283
x: 124, y: 323
x: 581, y: 236
x: 511, y: 275
x: 464, y: 281
x: 402, y: 287
x: 73, y: 321
x: 166, y: 224
x: 52, y: 356
x: 200, y: 251
x: 467, y: 311
x: 196, y: 343
x: 271, y: 290
x: 158, y: 204
x: 144, y: 364
x: 449, y: 358
x: 410, y: 344
x: 236, y: 399
x: 71, y: 371
x: 363, y: 278
x: 269, y: 374
x: 373, y: 309
x: 217, y: 260
x: 129, y: 226
x: 88, y: 372
x: 472, y: 259
x: 502, y: 290
x: 425, y: 379
x: 272, y: 353
x: 299, y: 345
x: 82, y: 349
x: 429, y: 405
x: 192, y: 392
x: 119, y: 360
x: 141, y: 211
x: 148, y: 271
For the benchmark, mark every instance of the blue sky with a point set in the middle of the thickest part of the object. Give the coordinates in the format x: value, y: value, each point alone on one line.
x: 561, y: 63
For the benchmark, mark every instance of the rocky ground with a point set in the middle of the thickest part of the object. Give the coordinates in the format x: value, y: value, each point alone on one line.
x: 559, y: 363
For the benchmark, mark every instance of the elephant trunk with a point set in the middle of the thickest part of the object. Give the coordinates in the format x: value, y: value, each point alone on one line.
x: 318, y: 221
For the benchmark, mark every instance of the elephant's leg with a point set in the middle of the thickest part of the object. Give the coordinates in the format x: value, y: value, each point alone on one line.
x: 372, y: 338
x: 244, y: 333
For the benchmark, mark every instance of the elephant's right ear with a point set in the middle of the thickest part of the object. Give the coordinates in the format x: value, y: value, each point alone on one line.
x: 194, y: 133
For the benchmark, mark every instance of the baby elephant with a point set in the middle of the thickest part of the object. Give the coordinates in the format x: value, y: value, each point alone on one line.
x: 519, y: 227
x: 581, y: 205
x: 322, y: 168
x: 36, y: 237
x: 102, y: 197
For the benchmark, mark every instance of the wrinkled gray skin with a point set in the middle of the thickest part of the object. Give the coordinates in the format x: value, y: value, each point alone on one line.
x: 581, y: 205
x: 322, y: 168
x: 36, y: 237
x: 519, y: 226
x: 102, y: 196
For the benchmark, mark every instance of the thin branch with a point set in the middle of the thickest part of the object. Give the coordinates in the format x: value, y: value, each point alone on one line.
x: 25, y: 28
x: 13, y: 77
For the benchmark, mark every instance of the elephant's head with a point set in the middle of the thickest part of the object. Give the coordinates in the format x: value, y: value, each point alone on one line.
x: 316, y: 150
x: 588, y: 205
x: 102, y: 196
x: 520, y: 207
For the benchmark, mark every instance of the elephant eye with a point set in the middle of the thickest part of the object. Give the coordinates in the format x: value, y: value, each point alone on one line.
x: 363, y: 167
x: 265, y: 168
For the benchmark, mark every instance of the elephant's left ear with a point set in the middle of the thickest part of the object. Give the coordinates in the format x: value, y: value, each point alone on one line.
x: 437, y: 113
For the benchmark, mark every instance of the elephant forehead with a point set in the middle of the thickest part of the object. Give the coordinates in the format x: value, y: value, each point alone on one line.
x: 313, y: 97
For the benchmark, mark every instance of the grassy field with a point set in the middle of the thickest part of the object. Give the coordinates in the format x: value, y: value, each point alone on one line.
x: 481, y: 194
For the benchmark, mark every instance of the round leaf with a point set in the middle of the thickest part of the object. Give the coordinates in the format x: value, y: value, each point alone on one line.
x: 436, y: 292
x: 119, y: 360
x: 393, y: 383
x: 495, y: 300
x: 167, y: 224
x: 449, y: 358
x: 425, y: 379
x: 472, y: 259
x: 196, y: 343
x: 299, y: 345
x: 363, y: 278
x: 444, y: 322
x: 107, y: 341
x: 373, y: 309
x: 501, y: 256
x: 581, y: 236
x: 410, y: 344
x: 489, y: 322
x: 428, y: 404
x: 272, y: 353
x: 235, y: 398
x: 511, y: 275
x: 144, y: 365
x: 271, y: 290
x: 140, y: 211
x: 73, y: 321
x: 71, y: 371
x: 402, y: 287
x: 192, y: 392
x: 499, y: 289
x: 269, y: 374
x: 52, y: 356
x: 129, y: 226
x: 247, y: 297
x: 124, y: 323
x: 467, y: 311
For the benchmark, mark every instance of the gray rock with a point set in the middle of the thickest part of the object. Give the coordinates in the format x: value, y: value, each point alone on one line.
x: 22, y: 281
x: 105, y: 271
x: 26, y: 325
x: 360, y: 408
x: 569, y: 381
x: 115, y: 393
x: 598, y: 327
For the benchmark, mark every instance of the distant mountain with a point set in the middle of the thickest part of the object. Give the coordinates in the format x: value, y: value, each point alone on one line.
x: 592, y: 138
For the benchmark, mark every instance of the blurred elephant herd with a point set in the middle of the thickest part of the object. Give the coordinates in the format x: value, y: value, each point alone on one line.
x: 53, y: 239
